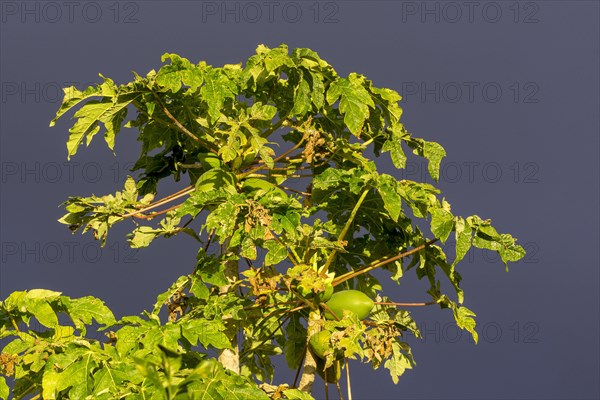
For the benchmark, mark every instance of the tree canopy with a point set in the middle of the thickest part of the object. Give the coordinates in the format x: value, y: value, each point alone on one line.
x: 283, y: 198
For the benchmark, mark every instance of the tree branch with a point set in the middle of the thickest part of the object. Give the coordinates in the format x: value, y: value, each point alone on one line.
x: 164, y: 200
x: 230, y: 358
x: 261, y: 167
x: 346, y: 227
x: 377, y: 264
x: 393, y: 303
x: 180, y: 126
x: 157, y: 213
x: 273, y: 128
x: 299, y: 368
x: 308, y: 373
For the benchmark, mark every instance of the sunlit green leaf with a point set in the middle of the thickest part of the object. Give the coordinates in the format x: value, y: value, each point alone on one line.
x: 354, y: 101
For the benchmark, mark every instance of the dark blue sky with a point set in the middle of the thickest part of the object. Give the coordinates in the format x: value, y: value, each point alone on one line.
x: 510, y: 89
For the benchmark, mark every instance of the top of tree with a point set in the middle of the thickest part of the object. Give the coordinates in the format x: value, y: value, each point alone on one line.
x: 276, y: 155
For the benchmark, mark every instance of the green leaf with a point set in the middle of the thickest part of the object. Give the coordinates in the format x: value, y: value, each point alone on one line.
x: 276, y: 57
x: 331, y: 177
x: 464, y: 320
x: 43, y: 312
x: 128, y: 338
x: 166, y: 335
x: 510, y: 250
x: 50, y: 381
x: 70, y: 369
x: 110, y: 112
x: 302, y: 99
x: 85, y: 309
x: 113, y: 377
x: 463, y: 236
x: 223, y: 220
x: 217, y: 384
x: 399, y: 361
x: 263, y: 112
x: 42, y: 294
x: 143, y: 236
x: 216, y: 179
x: 199, y: 289
x: 211, y: 270
x: 318, y: 90
x: 295, y: 344
x: 277, y: 252
x: 20, y: 344
x: 486, y: 237
x: 180, y: 70
x: 442, y: 223
x: 248, y: 249
x: 216, y: 89
x: 210, y: 333
x: 155, y: 388
x: 391, y: 199
x: 297, y: 394
x: 434, y: 153
x: 389, y: 105
x: 354, y: 103
x: 209, y: 161
x: 394, y: 146
x: 72, y: 97
x: 4, y: 389
x: 76, y: 376
x: 287, y: 222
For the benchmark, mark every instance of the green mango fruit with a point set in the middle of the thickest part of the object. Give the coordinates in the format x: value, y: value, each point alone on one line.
x: 331, y: 374
x: 319, y: 343
x: 351, y: 300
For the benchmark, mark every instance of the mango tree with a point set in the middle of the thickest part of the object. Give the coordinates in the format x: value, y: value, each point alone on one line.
x: 294, y: 228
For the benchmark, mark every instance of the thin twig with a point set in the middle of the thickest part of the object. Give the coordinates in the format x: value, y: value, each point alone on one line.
x: 294, y: 175
x: 187, y: 223
x: 210, y: 236
x: 300, y: 367
x: 269, y: 337
x: 347, y: 381
x: 180, y: 126
x: 392, y: 303
x: 260, y: 167
x: 293, y: 257
x: 285, y: 310
x: 161, y: 202
x: 377, y: 264
x: 259, y: 306
x: 327, y: 309
x: 276, y: 126
x: 339, y: 390
x: 290, y: 169
x: 190, y: 166
x: 156, y: 213
x: 295, y: 191
x: 177, y: 193
x: 346, y: 228
x: 14, y: 323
